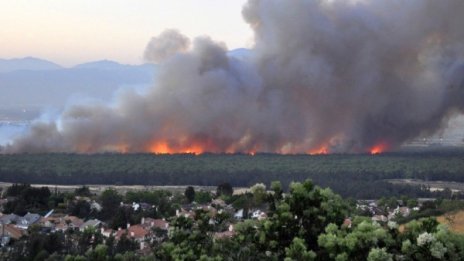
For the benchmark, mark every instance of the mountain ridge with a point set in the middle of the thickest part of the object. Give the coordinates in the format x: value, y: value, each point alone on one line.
x: 27, y: 63
x: 30, y: 63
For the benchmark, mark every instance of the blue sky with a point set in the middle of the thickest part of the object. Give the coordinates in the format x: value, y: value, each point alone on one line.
x: 73, y: 31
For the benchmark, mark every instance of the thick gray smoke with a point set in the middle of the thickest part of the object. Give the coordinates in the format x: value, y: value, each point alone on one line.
x: 166, y: 45
x: 346, y: 75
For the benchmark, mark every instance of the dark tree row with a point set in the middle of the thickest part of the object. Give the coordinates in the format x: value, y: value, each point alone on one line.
x: 359, y: 176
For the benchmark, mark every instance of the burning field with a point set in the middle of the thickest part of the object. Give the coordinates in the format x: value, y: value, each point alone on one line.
x: 322, y: 77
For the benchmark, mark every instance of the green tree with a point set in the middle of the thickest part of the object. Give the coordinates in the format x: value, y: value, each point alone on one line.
x: 130, y: 256
x: 83, y: 191
x: 203, y: 197
x: 355, y: 244
x: 425, y: 240
x: 88, y: 239
x: 224, y: 189
x: 42, y: 255
x: 122, y: 216
x: 276, y: 187
x: 74, y: 258
x: 80, y: 208
x: 99, y: 253
x: 259, y: 193
x: 379, y: 254
x: 126, y: 244
x: 302, y: 213
x: 189, y: 194
x: 15, y: 190
x: 110, y: 200
x: 297, y: 251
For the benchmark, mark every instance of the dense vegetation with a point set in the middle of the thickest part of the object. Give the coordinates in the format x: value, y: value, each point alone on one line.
x: 360, y: 176
x: 308, y: 223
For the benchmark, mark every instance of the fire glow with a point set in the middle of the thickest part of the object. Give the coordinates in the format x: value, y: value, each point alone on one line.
x: 165, y: 148
x: 379, y: 148
x: 200, y: 147
x: 319, y: 151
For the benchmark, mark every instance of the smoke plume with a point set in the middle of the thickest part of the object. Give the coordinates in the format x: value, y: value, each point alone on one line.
x: 166, y: 45
x: 323, y: 76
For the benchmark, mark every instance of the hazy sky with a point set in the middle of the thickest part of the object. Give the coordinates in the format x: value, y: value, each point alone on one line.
x: 73, y: 31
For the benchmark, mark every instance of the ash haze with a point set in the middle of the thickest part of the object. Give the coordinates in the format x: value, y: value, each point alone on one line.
x: 322, y: 76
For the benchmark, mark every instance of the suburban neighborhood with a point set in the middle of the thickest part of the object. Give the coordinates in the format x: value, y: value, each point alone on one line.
x: 144, y: 222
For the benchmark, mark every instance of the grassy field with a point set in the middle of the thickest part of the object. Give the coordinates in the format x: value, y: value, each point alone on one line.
x: 454, y: 220
x: 432, y: 185
x: 97, y: 189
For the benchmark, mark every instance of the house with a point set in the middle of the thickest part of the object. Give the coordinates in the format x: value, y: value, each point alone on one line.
x: 9, y: 219
x: 380, y: 218
x: 149, y: 223
x: 239, y: 214
x: 49, y: 222
x: 185, y: 213
x: 404, y: 211
x: 61, y: 223
x: 106, y: 232
x: 229, y: 209
x: 91, y: 223
x: 226, y: 234
x: 28, y: 220
x: 212, y: 211
x: 347, y: 223
x: 188, y: 207
x: 69, y: 222
x: 136, y: 232
x: 4, y: 240
x: 146, y: 206
x: 255, y: 214
x: 11, y: 231
x: 95, y: 206
x: 259, y: 215
x: 3, y: 202
x: 399, y: 211
x: 84, y: 198
x: 223, y: 235
x: 135, y: 206
x: 218, y: 203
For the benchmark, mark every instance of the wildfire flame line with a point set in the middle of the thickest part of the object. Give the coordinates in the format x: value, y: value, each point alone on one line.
x: 163, y: 147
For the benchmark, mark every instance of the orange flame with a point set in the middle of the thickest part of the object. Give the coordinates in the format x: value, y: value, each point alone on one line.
x: 323, y: 150
x: 378, y: 148
x: 197, y: 146
x: 164, y: 148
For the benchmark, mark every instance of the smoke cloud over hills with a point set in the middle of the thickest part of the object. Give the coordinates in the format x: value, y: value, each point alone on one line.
x: 323, y: 76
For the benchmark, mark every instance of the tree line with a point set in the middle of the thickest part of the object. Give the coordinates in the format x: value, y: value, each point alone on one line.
x: 358, y: 176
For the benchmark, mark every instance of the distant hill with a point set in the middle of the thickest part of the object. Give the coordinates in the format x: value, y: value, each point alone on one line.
x: 240, y: 53
x: 28, y: 63
x: 108, y: 65
x: 102, y: 65
x: 52, y: 85
x: 28, y: 85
